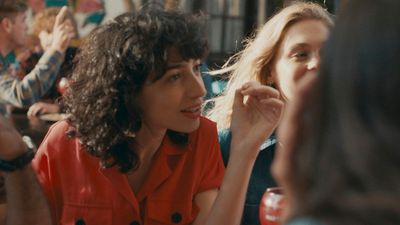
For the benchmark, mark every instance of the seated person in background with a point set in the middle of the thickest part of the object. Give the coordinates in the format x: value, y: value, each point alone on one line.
x: 339, y: 162
x: 135, y: 149
x: 13, y: 33
x: 285, y: 49
x: 42, y: 28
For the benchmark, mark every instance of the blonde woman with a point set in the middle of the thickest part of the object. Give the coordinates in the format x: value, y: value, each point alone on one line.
x: 286, y: 48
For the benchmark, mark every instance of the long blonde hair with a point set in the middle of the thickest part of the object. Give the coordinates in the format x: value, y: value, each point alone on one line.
x: 254, y: 61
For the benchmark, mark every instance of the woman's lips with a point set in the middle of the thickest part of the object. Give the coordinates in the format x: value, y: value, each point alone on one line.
x: 192, y: 112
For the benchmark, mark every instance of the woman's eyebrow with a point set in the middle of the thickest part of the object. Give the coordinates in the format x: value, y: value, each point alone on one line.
x: 297, y: 47
x: 175, y: 65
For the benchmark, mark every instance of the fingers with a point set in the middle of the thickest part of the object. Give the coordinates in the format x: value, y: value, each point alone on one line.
x: 61, y: 16
x: 43, y: 108
x: 34, y: 110
x: 261, y: 97
x: 270, y: 108
x: 259, y: 91
x: 238, y: 100
x: 62, y: 36
x: 259, y: 113
x: 275, y: 105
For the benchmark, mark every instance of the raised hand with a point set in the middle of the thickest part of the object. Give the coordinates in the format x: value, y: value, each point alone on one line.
x: 257, y: 110
x: 62, y: 31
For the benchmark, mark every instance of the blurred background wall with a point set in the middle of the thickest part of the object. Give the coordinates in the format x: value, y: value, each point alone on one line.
x: 229, y: 21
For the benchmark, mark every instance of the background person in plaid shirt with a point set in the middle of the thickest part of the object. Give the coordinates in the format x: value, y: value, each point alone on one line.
x: 13, y: 34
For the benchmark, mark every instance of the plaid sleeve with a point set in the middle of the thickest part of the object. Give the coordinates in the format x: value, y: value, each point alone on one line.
x: 25, y: 92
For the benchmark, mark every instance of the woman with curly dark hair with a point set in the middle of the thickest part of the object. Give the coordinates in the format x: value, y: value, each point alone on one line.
x: 135, y: 149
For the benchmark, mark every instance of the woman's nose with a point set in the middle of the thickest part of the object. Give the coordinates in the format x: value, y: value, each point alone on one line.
x: 196, y: 87
x: 314, y: 62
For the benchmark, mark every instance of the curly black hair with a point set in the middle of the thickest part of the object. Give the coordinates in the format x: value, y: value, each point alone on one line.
x: 115, y: 61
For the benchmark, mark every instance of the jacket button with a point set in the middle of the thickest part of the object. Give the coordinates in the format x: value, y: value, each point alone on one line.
x: 80, y: 222
x: 176, y: 217
x: 134, y: 223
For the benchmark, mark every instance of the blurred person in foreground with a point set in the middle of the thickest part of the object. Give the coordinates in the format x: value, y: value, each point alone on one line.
x: 339, y: 162
x: 284, y: 50
x: 13, y: 34
x: 22, y: 201
x: 135, y: 149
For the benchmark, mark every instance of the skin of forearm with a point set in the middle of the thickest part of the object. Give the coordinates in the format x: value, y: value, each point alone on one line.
x: 229, y: 204
x: 26, y: 201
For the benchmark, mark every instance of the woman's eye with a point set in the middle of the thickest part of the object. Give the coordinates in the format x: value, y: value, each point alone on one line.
x: 174, y: 77
x: 196, y: 67
x: 301, y: 55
